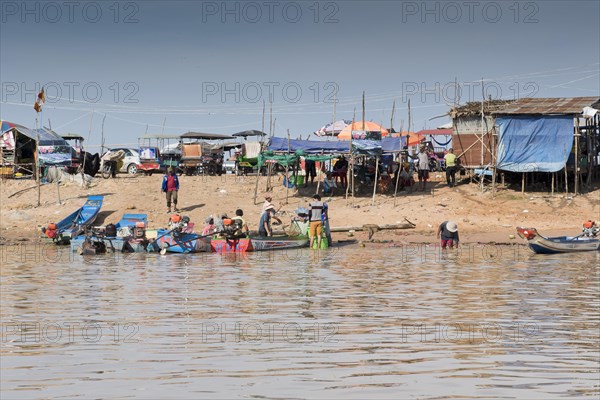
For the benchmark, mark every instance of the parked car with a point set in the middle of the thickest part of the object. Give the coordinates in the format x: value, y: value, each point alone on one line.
x: 230, y: 166
x: 131, y: 160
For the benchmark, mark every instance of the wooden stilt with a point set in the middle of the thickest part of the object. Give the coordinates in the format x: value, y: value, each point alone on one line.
x: 576, y: 183
x: 566, y: 175
x: 287, y: 170
x: 375, y: 181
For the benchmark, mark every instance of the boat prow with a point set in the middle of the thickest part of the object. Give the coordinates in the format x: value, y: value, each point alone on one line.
x: 76, y: 222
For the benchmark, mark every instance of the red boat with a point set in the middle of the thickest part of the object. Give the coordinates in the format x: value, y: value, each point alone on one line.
x: 231, y: 245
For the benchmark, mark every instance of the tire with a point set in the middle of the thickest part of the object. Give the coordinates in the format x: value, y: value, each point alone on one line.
x: 212, y: 169
x: 433, y: 165
x: 106, y: 172
x: 132, y: 169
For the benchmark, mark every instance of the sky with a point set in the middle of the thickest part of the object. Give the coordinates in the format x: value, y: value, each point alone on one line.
x: 134, y: 67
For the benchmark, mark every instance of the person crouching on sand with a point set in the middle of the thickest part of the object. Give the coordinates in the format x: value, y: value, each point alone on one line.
x: 170, y: 186
x: 448, y: 233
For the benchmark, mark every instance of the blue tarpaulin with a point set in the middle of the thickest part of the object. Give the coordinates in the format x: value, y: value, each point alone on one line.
x: 308, y: 146
x: 534, y: 143
x: 393, y: 144
x: 387, y: 145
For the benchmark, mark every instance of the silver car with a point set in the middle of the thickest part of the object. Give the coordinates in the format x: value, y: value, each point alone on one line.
x: 131, y: 160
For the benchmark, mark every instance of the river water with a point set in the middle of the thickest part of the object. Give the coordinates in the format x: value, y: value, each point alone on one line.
x: 351, y: 322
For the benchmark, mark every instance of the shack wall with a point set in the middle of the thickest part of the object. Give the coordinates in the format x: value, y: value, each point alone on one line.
x: 466, y: 143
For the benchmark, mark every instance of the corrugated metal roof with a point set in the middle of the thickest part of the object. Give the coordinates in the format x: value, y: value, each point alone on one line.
x: 545, y: 106
x: 435, y: 132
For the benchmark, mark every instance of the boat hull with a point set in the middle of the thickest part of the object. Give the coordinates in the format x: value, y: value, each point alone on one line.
x: 76, y: 223
x: 180, y: 243
x: 97, y: 245
x: 222, y: 245
x: 554, y: 245
x: 279, y: 243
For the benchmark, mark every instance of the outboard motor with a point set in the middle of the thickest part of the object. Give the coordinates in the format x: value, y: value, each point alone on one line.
x: 177, y: 223
x: 50, y: 231
x: 590, y: 229
x: 110, y: 230
x: 139, y: 231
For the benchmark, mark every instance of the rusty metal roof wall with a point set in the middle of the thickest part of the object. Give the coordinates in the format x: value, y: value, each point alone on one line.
x: 545, y: 106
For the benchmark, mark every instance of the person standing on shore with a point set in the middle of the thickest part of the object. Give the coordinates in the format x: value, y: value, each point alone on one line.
x: 423, y: 166
x: 315, y: 212
x: 450, y: 160
x: 310, y: 168
x: 170, y: 186
x: 448, y: 233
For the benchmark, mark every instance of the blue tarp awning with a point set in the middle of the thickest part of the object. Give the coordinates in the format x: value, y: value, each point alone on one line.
x: 534, y: 143
x: 393, y: 144
x: 308, y: 146
x: 387, y: 145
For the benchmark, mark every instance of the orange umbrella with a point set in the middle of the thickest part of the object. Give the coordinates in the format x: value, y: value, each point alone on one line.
x: 358, y: 126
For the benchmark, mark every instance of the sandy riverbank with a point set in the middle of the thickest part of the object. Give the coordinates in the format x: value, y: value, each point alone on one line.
x: 481, y: 218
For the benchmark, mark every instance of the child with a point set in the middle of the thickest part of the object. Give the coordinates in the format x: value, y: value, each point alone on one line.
x: 329, y: 185
x: 170, y: 186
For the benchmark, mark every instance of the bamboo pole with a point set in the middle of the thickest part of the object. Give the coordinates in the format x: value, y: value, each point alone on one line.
x: 494, y: 161
x: 37, y: 162
x: 482, y: 132
x: 261, y: 149
x: 375, y: 181
x: 576, y: 184
x: 287, y: 169
x: 552, y: 184
x: 349, y: 175
x: 566, y: 175
x: 399, y: 154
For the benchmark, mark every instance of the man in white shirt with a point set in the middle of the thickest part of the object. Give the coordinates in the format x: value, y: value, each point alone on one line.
x: 423, y: 166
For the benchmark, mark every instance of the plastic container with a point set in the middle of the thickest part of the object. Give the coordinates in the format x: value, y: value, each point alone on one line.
x: 324, y: 243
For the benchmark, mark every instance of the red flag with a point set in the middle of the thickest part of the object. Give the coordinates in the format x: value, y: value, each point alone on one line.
x: 40, y: 101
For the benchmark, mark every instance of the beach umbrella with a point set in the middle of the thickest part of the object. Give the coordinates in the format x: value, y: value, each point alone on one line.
x: 6, y: 125
x: 333, y: 129
x: 358, y: 126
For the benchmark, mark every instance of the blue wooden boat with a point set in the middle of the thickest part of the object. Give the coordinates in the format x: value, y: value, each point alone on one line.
x: 561, y: 244
x: 75, y: 223
x: 127, y: 237
x: 179, y: 242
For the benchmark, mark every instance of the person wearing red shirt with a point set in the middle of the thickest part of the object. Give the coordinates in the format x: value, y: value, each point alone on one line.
x: 170, y: 186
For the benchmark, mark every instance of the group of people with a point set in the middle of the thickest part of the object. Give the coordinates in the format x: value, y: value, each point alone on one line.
x: 423, y: 167
x: 318, y: 218
x: 318, y: 210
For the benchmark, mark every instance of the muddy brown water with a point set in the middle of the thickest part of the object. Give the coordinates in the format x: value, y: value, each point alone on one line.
x: 399, y: 322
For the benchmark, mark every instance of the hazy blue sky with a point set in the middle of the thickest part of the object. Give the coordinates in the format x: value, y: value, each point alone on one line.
x: 153, y: 60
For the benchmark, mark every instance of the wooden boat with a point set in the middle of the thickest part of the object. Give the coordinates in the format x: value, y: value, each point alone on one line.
x: 278, y: 242
x: 179, y: 242
x: 225, y: 245
x: 561, y: 244
x: 125, y: 237
x: 75, y: 223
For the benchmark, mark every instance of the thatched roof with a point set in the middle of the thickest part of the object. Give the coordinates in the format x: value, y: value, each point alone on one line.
x: 473, y: 108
